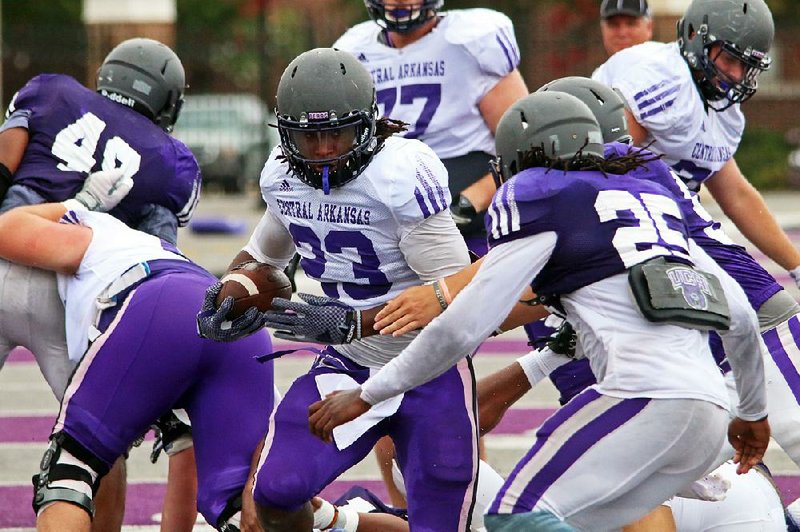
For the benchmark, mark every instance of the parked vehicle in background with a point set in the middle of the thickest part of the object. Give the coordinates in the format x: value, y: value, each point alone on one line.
x: 229, y: 136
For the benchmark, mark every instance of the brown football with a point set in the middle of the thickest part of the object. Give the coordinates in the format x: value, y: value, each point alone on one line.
x: 254, y: 284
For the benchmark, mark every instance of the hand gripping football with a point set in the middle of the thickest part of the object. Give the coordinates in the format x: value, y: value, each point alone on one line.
x: 254, y: 284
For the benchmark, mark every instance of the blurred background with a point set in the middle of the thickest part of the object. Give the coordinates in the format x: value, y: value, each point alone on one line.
x: 235, y: 50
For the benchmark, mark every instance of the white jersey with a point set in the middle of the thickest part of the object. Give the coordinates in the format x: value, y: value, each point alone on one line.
x: 353, y: 240
x: 437, y: 83
x: 114, y: 249
x: 657, y: 85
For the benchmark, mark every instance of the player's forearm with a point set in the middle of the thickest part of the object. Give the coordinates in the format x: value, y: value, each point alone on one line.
x: 497, y: 392
x: 742, y: 341
x: 752, y: 217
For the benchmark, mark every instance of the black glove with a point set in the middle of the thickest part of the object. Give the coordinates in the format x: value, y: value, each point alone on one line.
x: 463, y: 212
x: 212, y: 322
x: 320, y: 319
x: 564, y: 340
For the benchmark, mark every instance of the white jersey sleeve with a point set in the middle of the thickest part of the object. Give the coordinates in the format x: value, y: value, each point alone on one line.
x: 505, y: 273
x: 488, y: 36
x: 659, y: 91
x: 652, y: 87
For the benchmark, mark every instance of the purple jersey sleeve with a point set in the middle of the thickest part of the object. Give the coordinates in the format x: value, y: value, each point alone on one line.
x: 74, y: 131
x: 604, y: 224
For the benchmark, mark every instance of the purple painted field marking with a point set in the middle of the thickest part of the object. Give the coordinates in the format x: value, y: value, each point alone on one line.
x: 27, y: 429
x: 143, y: 501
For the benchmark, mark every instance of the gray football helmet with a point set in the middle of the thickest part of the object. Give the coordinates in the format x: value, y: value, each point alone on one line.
x: 745, y: 30
x: 326, y: 114
x: 402, y: 17
x: 606, y: 104
x: 557, y: 124
x: 146, y: 75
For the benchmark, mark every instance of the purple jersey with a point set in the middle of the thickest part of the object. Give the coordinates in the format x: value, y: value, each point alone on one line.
x: 74, y: 131
x: 757, y: 283
x: 604, y: 224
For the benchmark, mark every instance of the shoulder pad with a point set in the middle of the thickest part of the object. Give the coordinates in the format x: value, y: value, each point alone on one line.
x: 358, y: 36
x: 411, y: 179
x: 486, y: 35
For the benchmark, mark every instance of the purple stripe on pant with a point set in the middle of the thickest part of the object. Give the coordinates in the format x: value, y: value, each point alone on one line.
x: 570, y: 450
x: 434, y: 434
x: 781, y: 357
x: 149, y: 360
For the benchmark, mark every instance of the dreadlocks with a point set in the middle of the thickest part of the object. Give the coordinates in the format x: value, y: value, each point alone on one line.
x: 536, y: 158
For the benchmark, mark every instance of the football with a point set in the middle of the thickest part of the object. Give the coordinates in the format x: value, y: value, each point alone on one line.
x: 254, y: 284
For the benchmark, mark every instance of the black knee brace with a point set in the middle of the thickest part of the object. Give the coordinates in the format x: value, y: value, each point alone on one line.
x: 233, y: 509
x: 52, y: 470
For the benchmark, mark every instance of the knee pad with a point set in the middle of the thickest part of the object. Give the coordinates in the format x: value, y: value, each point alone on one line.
x: 777, y: 309
x: 230, y: 518
x: 68, y: 473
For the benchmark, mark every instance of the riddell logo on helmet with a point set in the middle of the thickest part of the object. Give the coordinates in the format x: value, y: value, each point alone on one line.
x: 113, y: 96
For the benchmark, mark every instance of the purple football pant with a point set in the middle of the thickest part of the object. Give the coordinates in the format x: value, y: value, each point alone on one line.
x: 150, y: 360
x: 434, y: 433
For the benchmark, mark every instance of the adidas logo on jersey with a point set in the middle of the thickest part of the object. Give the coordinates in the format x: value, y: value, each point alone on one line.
x: 285, y: 186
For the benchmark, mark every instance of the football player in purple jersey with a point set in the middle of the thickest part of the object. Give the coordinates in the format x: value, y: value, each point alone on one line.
x: 130, y: 319
x: 56, y: 133
x: 657, y: 368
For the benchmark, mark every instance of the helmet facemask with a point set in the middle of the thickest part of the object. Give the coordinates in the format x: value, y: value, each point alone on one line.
x: 325, y: 151
x: 717, y: 86
x: 402, y: 17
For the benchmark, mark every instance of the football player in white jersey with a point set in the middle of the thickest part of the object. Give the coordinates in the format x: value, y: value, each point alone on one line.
x: 450, y: 75
x: 594, y: 434
x: 683, y: 101
x: 368, y: 213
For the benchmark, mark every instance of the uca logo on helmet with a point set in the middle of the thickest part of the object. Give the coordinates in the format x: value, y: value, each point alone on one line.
x: 692, y: 285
